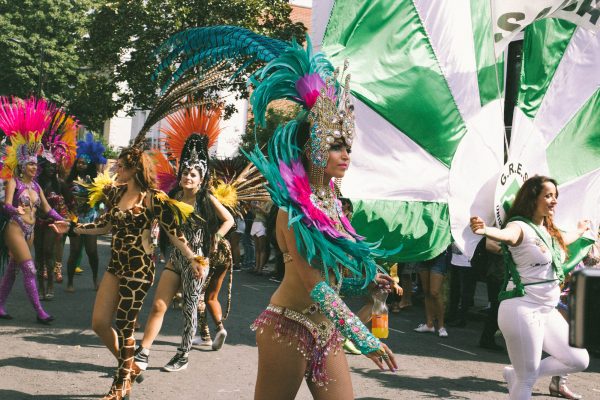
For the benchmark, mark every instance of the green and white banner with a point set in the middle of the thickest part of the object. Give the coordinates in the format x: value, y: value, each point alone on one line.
x: 430, y: 130
x: 511, y: 16
x: 556, y: 127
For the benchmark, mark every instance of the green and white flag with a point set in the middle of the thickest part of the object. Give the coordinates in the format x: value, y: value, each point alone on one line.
x: 430, y: 130
x: 510, y: 17
x: 429, y: 141
x: 556, y: 126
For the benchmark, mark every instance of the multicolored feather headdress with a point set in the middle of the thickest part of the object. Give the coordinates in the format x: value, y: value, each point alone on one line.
x: 59, y: 140
x: 23, y: 122
x: 190, y: 133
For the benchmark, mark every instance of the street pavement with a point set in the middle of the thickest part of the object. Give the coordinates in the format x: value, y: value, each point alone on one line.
x: 67, y: 361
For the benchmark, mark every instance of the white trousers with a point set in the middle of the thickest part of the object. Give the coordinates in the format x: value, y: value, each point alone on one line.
x: 529, y: 328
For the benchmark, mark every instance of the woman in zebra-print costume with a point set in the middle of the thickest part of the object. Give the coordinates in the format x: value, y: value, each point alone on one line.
x: 203, y: 233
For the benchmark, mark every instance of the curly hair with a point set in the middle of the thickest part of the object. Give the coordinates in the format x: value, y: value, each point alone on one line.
x: 135, y: 157
x: 526, y: 203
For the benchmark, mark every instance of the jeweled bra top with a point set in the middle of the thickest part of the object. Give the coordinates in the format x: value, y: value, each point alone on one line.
x: 22, y: 198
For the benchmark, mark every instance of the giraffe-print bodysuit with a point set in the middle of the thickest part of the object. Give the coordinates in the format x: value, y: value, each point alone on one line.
x: 131, y: 257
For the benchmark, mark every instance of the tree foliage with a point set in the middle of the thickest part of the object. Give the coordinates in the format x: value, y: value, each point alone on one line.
x: 135, y: 29
x: 98, y: 55
x: 258, y: 135
x: 43, y: 54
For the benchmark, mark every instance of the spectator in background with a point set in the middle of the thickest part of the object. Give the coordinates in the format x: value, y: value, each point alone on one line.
x: 405, y: 272
x: 462, y: 288
x: 259, y: 234
x: 272, y: 239
x: 432, y: 273
x: 235, y: 238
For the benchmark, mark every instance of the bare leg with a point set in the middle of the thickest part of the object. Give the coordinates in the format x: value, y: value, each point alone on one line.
x: 407, y: 287
x: 49, y: 258
x: 261, y: 252
x: 75, y: 242
x: 59, y: 250
x: 235, y: 248
x: 212, y: 295
x: 435, y: 288
x: 91, y: 249
x: 105, y: 307
x: 340, y: 388
x: 429, y: 305
x: 280, y: 368
x: 166, y: 289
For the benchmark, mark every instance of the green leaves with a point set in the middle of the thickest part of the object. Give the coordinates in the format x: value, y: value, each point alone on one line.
x: 98, y: 55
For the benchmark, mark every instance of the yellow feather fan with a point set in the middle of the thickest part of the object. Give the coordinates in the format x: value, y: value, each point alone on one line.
x: 180, y: 210
x: 96, y: 188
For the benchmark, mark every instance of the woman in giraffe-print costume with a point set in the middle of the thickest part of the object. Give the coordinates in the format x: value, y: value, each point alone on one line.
x: 132, y: 206
x: 204, y: 231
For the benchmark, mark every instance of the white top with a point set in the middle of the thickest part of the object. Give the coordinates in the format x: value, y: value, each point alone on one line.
x: 534, y: 264
x: 458, y: 258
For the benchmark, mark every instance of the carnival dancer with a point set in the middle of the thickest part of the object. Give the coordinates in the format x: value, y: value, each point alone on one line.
x: 48, y: 243
x: 89, y: 159
x: 534, y: 251
x: 132, y: 206
x: 23, y: 122
x: 234, y: 189
x: 198, y: 128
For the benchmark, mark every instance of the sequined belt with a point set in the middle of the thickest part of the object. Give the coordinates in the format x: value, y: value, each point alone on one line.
x: 321, y: 331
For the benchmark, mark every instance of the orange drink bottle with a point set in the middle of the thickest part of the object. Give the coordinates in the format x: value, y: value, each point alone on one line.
x: 379, y: 315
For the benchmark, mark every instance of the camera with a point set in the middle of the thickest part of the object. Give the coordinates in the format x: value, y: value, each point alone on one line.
x: 584, y: 303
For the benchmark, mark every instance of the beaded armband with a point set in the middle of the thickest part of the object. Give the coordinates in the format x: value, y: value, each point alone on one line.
x: 54, y: 215
x: 345, y: 321
x: 353, y: 287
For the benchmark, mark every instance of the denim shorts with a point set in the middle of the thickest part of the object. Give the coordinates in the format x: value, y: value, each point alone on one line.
x: 437, y: 265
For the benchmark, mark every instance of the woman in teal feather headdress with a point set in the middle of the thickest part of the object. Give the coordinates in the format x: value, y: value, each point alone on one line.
x: 307, y: 159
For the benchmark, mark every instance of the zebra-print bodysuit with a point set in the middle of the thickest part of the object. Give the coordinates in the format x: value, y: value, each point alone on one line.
x: 191, y: 286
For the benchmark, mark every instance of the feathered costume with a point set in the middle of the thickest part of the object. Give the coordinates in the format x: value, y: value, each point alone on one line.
x: 27, y: 124
x: 191, y: 131
x: 324, y: 236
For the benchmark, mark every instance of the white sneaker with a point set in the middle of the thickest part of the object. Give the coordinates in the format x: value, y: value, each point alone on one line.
x: 203, y: 343
x: 423, y: 328
x: 442, y: 332
x: 509, y: 377
x: 219, y: 339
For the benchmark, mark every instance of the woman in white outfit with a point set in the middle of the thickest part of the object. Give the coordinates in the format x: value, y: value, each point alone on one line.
x: 534, y: 250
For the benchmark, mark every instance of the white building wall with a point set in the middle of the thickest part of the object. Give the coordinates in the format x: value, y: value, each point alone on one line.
x: 232, y: 131
x: 117, y: 131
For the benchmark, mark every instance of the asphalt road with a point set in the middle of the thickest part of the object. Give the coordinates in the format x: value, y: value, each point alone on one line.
x: 67, y: 361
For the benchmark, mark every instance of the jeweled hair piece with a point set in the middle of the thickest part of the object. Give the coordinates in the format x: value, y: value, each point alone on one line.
x: 196, y: 162
x: 331, y: 118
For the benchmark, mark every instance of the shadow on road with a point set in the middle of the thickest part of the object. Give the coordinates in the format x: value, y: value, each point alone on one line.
x: 14, y: 395
x: 43, y: 364
x: 434, y: 386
